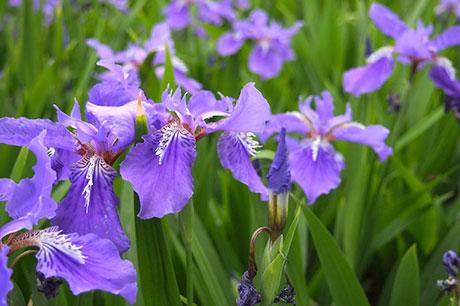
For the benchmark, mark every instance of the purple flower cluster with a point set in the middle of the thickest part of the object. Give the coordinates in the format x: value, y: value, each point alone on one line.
x: 412, y: 46
x: 272, y: 43
x: 48, y: 7
x: 127, y: 75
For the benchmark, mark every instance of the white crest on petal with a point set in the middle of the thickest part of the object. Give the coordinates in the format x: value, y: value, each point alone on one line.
x: 250, y: 142
x: 169, y: 133
x: 90, y: 182
x: 315, y: 144
x: 445, y: 63
x: 386, y: 51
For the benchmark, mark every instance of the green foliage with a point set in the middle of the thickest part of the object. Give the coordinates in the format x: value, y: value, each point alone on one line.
x: 377, y: 239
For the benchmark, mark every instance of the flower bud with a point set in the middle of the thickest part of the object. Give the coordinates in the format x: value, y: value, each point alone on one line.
x: 279, y: 184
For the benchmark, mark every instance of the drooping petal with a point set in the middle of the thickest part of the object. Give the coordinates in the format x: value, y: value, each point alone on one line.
x: 250, y: 114
x: 443, y: 79
x: 235, y: 151
x: 33, y: 195
x: 86, y: 262
x: 21, y: 131
x: 5, y: 274
x: 266, y: 62
x: 368, y: 78
x: 316, y: 172
x: 120, y: 120
x: 448, y: 38
x: 90, y: 205
x: 160, y: 170
x: 229, y: 43
x: 372, y: 135
x: 7, y: 187
x: 387, y: 21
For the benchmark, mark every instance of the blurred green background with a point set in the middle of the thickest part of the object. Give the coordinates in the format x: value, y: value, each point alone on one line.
x: 392, y: 222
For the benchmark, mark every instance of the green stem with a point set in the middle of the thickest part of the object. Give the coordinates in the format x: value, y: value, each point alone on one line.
x: 186, y: 227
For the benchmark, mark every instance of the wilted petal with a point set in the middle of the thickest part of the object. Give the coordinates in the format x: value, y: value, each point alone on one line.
x: 160, y: 170
x: 369, y: 78
x: 372, y: 135
x: 266, y: 62
x: 21, y: 131
x: 448, y: 38
x: 90, y: 205
x: 316, y: 170
x: 86, y: 263
x: 250, y: 114
x: 387, y: 21
x: 5, y: 274
x: 235, y: 151
x: 229, y: 43
x: 33, y: 195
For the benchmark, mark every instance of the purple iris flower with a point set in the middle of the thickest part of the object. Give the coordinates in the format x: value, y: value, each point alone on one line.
x: 85, y: 262
x: 133, y: 57
x: 449, y: 7
x: 451, y: 87
x: 85, y: 157
x: 315, y: 165
x: 160, y: 168
x: 178, y: 12
x: 412, y: 46
x: 451, y: 262
x: 272, y: 43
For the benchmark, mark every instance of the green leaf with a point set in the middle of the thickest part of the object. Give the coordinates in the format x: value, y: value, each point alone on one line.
x: 343, y: 284
x: 19, y: 164
x: 156, y: 272
x: 406, y: 287
x: 168, y: 77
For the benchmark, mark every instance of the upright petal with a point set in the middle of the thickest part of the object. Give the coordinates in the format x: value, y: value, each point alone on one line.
x: 86, y: 263
x: 7, y: 187
x: 369, y: 78
x: 387, y: 21
x: 21, y: 131
x: 160, y: 170
x: 120, y: 120
x: 90, y: 205
x: 266, y: 62
x: 102, y: 50
x: 372, y: 135
x: 235, y: 151
x: 177, y: 15
x: 33, y: 195
x: 317, y: 173
x: 279, y: 175
x: 5, y: 274
x: 293, y: 122
x: 250, y: 114
x: 324, y: 106
x: 448, y: 38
